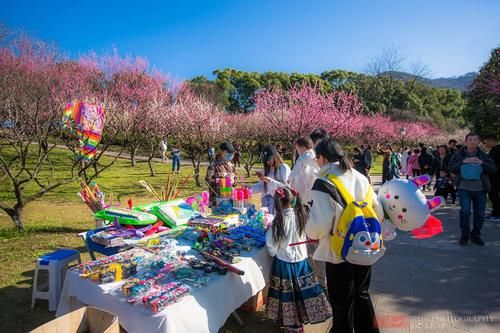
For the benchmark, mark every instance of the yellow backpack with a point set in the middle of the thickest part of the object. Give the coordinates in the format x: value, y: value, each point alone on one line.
x: 357, y: 238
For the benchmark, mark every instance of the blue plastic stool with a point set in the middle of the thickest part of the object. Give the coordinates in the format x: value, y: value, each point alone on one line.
x: 56, y: 263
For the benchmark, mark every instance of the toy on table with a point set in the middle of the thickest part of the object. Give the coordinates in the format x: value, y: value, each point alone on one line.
x: 200, y: 202
x: 164, y: 299
x: 206, y: 222
x: 225, y: 192
x: 221, y: 262
x: 126, y: 216
x: 110, y: 269
x: 92, y: 196
x: 86, y: 120
x: 260, y: 219
x: 174, y: 213
x: 241, y: 198
x: 406, y: 207
x: 167, y: 193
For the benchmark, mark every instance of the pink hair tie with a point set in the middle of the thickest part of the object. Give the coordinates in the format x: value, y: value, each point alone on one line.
x: 281, y: 193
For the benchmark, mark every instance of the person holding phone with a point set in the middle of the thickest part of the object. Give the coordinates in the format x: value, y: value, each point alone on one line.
x: 274, y: 176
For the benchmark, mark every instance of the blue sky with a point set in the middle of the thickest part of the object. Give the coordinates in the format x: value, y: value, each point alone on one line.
x: 189, y: 38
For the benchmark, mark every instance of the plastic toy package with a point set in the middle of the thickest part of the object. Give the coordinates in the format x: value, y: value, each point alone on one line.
x: 110, y: 269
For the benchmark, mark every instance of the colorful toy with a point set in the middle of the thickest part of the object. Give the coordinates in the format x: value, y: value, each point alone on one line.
x: 87, y: 121
x: 92, y: 196
x: 222, y: 263
x: 200, y: 202
x: 225, y: 187
x: 110, y: 269
x: 405, y: 206
x: 170, y: 297
x: 167, y: 193
x: 126, y: 216
x: 174, y: 213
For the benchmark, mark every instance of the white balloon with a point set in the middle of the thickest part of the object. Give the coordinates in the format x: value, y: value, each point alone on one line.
x: 405, y: 204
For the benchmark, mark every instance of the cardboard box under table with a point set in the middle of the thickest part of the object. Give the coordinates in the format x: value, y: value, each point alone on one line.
x: 84, y: 320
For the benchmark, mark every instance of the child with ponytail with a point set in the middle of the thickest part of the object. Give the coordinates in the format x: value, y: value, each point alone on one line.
x: 295, y: 297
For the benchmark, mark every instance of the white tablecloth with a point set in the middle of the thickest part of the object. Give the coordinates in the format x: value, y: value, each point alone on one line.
x: 204, y: 310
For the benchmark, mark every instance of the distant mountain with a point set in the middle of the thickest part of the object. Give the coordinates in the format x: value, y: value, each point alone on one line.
x: 455, y: 82
x: 461, y: 82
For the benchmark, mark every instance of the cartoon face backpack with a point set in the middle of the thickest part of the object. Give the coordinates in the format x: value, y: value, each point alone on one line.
x: 357, y: 238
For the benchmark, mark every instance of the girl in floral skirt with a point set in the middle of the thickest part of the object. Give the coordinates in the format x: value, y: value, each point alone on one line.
x: 295, y: 297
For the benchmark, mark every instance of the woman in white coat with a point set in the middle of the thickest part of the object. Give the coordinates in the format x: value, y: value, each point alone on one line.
x: 347, y: 283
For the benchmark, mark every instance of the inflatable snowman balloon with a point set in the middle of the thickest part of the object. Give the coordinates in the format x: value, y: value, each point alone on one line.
x: 405, y: 206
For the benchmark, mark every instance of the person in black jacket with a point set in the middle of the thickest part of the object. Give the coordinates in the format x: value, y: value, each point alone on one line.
x: 441, y: 161
x: 491, y: 142
x: 426, y: 163
x: 472, y: 168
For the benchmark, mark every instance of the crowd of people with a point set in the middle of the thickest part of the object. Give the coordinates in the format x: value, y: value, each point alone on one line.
x: 306, y: 207
x: 465, y: 172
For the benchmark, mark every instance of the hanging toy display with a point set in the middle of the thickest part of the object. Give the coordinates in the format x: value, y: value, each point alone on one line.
x: 406, y: 207
x: 86, y: 120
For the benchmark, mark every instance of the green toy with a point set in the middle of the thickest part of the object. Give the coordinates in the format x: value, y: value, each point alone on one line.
x: 174, y: 212
x: 126, y: 216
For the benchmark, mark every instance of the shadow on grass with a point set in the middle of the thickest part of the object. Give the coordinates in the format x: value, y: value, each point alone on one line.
x: 13, y: 233
x: 16, y: 314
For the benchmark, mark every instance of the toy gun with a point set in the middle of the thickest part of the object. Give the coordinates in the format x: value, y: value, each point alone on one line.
x: 138, y: 288
x: 222, y: 263
x: 226, y: 245
x: 169, y: 298
x: 207, y: 266
x: 242, y: 245
x: 146, y: 300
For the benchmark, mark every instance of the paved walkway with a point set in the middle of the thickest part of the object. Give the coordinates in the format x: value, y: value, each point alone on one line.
x: 435, y: 285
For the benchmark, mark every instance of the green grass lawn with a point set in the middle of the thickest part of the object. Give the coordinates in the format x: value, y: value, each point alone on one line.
x: 54, y: 220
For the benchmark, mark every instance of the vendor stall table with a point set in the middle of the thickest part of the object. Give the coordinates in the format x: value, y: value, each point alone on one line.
x: 204, y: 310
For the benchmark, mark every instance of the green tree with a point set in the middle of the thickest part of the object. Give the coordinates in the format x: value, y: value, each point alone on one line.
x: 209, y: 90
x: 483, y: 97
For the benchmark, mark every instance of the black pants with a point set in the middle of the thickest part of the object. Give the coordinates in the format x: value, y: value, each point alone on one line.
x: 494, y: 196
x: 348, y: 291
x: 445, y: 191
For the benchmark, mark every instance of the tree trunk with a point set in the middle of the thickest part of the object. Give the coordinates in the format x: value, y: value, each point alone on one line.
x: 294, y: 154
x: 132, y: 156
x: 16, y: 215
x: 151, y: 154
x: 196, y: 166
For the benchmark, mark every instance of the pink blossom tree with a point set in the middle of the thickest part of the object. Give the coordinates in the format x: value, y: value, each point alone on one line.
x: 133, y: 87
x: 380, y: 128
x: 296, y: 112
x: 196, y: 124
x: 156, y: 123
x: 30, y: 116
x: 248, y: 130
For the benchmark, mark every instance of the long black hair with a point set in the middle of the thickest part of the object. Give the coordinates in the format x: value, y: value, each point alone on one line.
x: 332, y: 151
x: 277, y: 162
x: 285, y: 196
